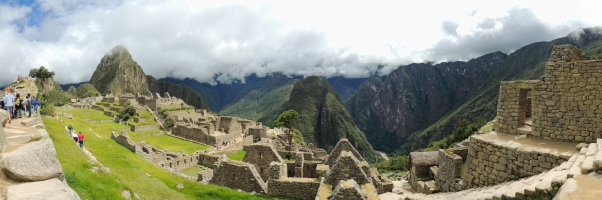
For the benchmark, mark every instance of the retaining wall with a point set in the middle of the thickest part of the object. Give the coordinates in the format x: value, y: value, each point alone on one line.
x: 490, y: 163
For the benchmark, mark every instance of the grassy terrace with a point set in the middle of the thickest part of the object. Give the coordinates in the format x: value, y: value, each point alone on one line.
x: 238, y: 155
x: 192, y: 171
x: 129, y: 171
x: 153, y: 122
x: 162, y: 141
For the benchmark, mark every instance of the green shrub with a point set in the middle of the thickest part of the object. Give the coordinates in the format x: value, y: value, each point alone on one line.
x: 126, y: 112
x: 169, y: 122
x: 47, y: 110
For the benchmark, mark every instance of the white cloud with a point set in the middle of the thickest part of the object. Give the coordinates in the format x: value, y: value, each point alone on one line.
x: 217, y: 41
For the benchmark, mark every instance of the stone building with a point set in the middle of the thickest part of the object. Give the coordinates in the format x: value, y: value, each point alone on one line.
x: 421, y: 178
x: 564, y: 102
x: 539, y: 122
x: 261, y: 155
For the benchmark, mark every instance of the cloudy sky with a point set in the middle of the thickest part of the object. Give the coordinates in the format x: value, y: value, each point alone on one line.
x: 224, y: 40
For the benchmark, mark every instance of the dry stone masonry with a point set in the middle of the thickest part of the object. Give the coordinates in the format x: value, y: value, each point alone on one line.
x: 539, y: 123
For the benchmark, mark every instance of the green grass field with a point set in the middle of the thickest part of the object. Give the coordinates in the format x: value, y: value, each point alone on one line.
x: 238, y: 155
x: 192, y: 171
x: 129, y: 171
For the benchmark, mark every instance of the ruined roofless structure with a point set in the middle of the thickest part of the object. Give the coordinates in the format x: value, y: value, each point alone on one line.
x: 539, y: 123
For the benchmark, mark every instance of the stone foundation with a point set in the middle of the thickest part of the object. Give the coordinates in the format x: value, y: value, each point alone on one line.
x: 302, y: 188
x: 490, y: 163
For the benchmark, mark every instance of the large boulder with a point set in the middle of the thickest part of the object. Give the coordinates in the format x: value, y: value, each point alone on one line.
x: 2, y: 139
x: 3, y: 117
x: 43, y: 190
x: 36, y: 161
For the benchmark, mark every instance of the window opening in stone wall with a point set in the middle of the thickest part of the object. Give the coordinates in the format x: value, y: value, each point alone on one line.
x: 525, y: 111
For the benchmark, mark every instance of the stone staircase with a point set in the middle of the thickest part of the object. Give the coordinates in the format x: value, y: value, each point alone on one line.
x: 588, y: 160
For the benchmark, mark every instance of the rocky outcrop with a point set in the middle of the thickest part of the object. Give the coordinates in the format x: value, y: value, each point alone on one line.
x: 3, y: 117
x: 36, y: 161
x: 52, y: 189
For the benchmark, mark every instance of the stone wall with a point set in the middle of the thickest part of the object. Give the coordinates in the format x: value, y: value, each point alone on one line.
x: 258, y: 133
x: 512, y: 105
x: 200, y: 134
x: 493, y: 163
x: 238, y: 175
x: 342, y: 145
x: 208, y: 160
x: 124, y: 140
x: 346, y: 167
x: 261, y: 155
x: 140, y: 128
x: 567, y: 105
x: 205, y: 176
x: 449, y: 171
x: 230, y: 125
x: 301, y: 188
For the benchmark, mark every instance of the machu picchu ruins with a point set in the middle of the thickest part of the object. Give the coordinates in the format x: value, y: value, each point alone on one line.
x: 548, y: 133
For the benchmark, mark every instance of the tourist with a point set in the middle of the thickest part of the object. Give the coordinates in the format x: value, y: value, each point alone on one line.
x: 69, y: 127
x: 18, y: 106
x: 80, y: 138
x: 2, y: 103
x: 9, y: 101
x: 74, y: 136
x: 35, y: 105
x: 28, y: 105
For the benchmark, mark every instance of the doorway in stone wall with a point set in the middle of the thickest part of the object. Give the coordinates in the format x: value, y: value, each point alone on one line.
x: 525, y: 112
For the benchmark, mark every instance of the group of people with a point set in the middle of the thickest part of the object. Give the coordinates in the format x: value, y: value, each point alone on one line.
x: 16, y: 105
x: 224, y: 144
x: 79, y: 137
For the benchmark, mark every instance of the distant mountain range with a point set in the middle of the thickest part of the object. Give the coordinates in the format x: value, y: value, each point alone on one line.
x: 412, y: 106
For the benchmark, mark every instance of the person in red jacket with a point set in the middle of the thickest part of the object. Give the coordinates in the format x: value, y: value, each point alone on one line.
x: 80, y: 138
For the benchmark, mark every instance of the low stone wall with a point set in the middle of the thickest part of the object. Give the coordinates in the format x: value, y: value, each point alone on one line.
x: 449, y: 171
x: 493, y: 163
x: 124, y: 140
x: 301, y: 188
x: 205, y: 175
x: 208, y: 160
x: 144, y: 127
x: 238, y: 175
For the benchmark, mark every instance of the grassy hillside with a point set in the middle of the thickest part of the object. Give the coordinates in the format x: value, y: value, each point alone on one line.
x: 263, y: 104
x: 323, y: 119
x: 128, y: 171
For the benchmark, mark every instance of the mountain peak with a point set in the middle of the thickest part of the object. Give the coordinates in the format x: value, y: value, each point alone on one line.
x: 117, y: 50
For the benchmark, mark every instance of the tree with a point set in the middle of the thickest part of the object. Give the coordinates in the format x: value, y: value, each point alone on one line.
x: 126, y: 112
x: 72, y: 91
x: 286, y: 120
x: 41, y: 73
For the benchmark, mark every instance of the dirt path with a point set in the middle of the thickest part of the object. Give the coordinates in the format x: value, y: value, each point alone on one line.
x: 383, y: 154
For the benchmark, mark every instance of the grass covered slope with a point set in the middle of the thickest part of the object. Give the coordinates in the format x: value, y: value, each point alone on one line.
x: 128, y: 171
x: 323, y: 119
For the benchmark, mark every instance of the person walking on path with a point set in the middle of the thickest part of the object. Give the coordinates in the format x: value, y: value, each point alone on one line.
x: 74, y: 136
x: 36, y: 102
x: 9, y: 101
x: 28, y: 105
x: 80, y: 138
x: 70, y: 127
